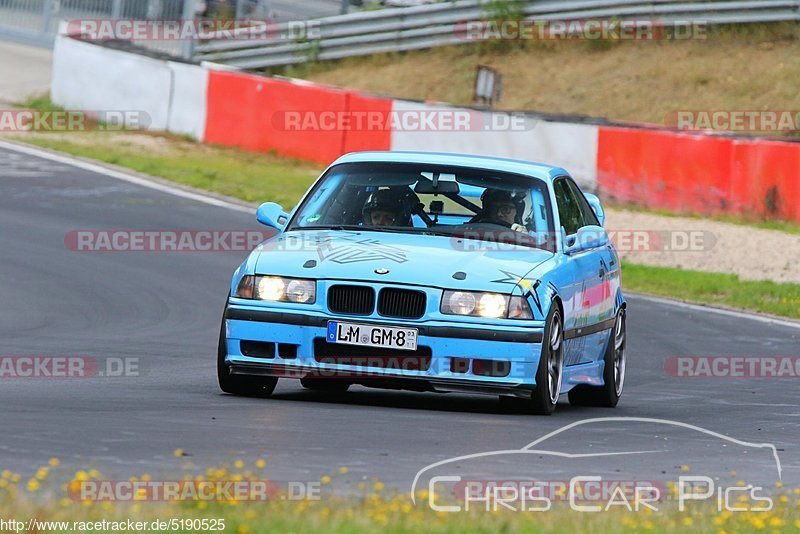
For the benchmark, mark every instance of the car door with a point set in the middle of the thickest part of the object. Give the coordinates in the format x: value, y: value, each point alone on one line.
x: 586, y: 296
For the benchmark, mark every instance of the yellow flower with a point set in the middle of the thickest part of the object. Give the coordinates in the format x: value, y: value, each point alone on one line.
x: 325, y: 479
x: 261, y: 463
x: 687, y: 521
x: 41, y: 474
x: 776, y: 522
x: 238, y: 464
x: 685, y: 468
x: 6, y: 474
x: 343, y: 470
x: 243, y: 529
x: 75, y: 487
x: 54, y: 462
x: 33, y: 484
x: 63, y: 503
x: 178, y: 453
x: 378, y: 486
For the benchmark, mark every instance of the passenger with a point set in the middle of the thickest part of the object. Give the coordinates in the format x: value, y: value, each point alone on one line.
x: 500, y: 207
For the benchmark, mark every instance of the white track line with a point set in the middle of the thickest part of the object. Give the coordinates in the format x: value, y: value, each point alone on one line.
x: 119, y: 175
x: 206, y: 199
x: 753, y: 316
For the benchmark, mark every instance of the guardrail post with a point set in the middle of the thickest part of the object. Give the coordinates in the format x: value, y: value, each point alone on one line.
x: 240, y: 4
x: 116, y: 10
x: 188, y: 46
x: 48, y: 11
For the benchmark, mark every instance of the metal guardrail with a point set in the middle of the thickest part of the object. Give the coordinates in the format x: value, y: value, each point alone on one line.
x: 428, y: 26
x: 36, y: 22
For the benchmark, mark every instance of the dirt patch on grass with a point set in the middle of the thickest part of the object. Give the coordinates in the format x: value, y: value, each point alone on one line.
x: 751, y: 253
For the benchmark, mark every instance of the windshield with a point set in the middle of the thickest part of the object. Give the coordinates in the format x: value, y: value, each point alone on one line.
x: 428, y: 199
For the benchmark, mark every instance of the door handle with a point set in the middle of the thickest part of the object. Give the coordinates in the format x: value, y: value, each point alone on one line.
x: 602, y: 272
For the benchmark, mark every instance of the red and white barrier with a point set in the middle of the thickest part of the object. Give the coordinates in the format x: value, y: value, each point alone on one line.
x: 702, y: 174
x: 682, y: 172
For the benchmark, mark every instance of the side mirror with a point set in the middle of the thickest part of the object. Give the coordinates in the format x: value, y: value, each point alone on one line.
x: 586, y: 238
x: 597, y: 207
x: 272, y: 214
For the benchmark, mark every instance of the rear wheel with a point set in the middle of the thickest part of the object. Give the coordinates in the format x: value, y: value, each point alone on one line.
x: 608, y: 394
x: 330, y: 385
x: 245, y: 385
x: 544, y: 397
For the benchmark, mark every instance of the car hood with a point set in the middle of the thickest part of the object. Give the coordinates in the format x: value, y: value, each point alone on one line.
x: 408, y: 258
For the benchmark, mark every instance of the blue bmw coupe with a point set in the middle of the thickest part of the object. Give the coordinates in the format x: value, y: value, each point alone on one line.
x: 432, y: 272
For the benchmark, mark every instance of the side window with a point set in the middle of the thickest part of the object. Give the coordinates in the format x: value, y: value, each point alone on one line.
x: 568, y: 208
x: 587, y: 212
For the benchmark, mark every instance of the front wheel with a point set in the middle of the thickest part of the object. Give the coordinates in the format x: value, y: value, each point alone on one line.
x: 607, y: 395
x: 245, y: 385
x: 544, y: 397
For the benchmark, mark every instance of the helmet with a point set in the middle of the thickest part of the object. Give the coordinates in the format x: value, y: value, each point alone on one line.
x: 492, y: 197
x: 389, y: 200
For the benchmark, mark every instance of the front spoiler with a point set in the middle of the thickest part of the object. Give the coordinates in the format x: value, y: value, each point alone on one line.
x: 385, y: 381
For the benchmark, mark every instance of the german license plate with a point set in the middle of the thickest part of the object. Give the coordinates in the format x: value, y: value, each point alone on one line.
x: 387, y: 337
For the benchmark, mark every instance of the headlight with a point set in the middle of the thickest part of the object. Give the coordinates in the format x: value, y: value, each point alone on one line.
x: 493, y: 305
x: 277, y: 289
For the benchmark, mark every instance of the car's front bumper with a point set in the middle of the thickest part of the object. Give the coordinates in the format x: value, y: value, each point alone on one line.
x: 488, y: 359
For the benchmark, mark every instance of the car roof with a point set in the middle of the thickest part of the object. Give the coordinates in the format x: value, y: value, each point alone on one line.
x: 529, y: 168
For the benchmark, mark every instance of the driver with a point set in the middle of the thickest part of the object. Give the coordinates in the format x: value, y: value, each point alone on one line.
x: 384, y: 207
x: 500, y: 207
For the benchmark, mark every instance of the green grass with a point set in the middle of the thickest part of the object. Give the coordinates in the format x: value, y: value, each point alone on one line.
x: 52, y: 493
x: 245, y: 175
x: 724, y: 290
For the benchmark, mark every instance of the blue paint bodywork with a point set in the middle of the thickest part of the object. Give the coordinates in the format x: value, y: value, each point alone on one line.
x: 585, y: 285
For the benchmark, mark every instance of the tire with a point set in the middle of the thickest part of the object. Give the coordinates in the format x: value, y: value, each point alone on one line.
x: 549, y: 373
x: 607, y: 395
x: 244, y: 385
x: 330, y: 385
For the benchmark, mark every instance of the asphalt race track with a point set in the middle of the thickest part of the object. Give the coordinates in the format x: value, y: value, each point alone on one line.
x: 165, y: 308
